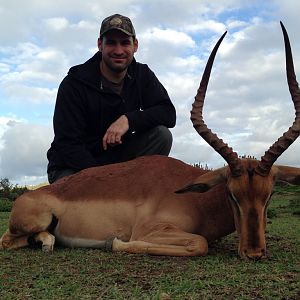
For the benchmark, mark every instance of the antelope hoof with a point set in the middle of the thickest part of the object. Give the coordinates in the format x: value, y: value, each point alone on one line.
x: 108, y: 247
x: 47, y: 248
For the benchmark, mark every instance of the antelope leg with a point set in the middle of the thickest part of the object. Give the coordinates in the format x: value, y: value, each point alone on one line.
x: 167, y: 240
x: 13, y: 241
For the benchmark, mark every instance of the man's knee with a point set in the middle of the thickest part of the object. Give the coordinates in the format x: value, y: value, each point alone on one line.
x: 58, y: 174
x: 157, y: 140
x: 163, y: 135
x: 161, y: 140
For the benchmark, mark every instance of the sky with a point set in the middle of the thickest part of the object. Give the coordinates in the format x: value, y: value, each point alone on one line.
x: 247, y: 104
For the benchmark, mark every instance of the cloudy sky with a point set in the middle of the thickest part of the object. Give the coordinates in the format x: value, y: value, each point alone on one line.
x: 248, y: 104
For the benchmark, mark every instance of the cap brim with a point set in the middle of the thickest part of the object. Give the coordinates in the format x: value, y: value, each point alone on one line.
x: 117, y: 28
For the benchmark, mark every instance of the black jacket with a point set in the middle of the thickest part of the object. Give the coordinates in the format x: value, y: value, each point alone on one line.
x: 85, y: 109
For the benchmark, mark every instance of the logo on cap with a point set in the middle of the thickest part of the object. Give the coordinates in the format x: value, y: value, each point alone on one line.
x: 115, y: 21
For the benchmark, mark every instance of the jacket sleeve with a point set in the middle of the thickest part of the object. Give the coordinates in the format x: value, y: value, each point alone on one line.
x: 156, y: 107
x: 69, y: 127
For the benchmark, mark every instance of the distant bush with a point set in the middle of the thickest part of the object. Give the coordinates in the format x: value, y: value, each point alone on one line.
x: 203, y: 167
x: 10, y: 191
x: 272, y: 213
x: 295, y: 206
x: 5, y: 204
x: 283, y: 187
x: 292, y: 193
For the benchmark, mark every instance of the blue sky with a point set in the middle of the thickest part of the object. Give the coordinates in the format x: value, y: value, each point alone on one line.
x: 247, y: 104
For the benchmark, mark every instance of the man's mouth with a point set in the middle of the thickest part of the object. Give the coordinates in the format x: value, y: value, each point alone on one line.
x: 118, y: 59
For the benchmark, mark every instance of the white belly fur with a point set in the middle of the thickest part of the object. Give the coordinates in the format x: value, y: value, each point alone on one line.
x: 74, y: 242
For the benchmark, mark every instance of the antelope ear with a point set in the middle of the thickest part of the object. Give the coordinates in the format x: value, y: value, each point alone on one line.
x: 205, y: 182
x: 287, y: 174
x: 196, y: 187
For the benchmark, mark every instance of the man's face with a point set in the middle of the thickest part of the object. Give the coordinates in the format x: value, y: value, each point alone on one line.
x: 117, y: 50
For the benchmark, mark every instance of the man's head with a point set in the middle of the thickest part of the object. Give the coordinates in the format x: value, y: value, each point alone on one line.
x: 117, y: 43
x: 117, y: 22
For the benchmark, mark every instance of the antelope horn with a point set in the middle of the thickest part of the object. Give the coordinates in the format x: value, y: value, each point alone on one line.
x: 270, y: 156
x: 211, y: 138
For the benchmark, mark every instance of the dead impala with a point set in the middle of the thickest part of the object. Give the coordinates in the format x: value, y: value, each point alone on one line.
x: 132, y: 206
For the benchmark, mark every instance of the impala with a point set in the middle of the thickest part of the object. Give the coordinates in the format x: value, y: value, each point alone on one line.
x: 160, y: 205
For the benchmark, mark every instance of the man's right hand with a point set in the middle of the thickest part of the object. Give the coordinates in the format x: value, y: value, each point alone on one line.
x: 115, y: 131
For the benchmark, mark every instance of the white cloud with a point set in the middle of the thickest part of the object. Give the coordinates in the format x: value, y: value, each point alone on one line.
x: 31, y: 74
x: 57, y: 24
x: 24, y: 151
x: 234, y: 24
x: 206, y: 25
x: 168, y: 36
x: 248, y: 103
x: 31, y: 94
x: 4, y: 68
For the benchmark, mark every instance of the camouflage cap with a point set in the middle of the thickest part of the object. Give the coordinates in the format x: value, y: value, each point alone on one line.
x: 117, y: 22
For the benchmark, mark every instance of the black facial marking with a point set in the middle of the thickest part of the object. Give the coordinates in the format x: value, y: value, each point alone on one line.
x: 253, y: 238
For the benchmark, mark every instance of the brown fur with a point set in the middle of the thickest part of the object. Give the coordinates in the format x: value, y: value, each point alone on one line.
x: 136, y: 203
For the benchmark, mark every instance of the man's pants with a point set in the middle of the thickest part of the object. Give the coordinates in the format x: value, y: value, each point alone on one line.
x: 155, y: 141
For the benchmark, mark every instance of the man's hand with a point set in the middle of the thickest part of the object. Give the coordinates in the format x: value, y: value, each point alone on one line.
x: 115, y: 132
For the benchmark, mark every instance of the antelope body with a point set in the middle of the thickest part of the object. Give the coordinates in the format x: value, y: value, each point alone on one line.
x: 133, y: 207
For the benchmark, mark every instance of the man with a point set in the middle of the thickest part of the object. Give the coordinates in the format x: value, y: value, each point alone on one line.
x: 111, y: 108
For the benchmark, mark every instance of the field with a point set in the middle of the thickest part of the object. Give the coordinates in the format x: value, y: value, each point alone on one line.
x: 92, y: 274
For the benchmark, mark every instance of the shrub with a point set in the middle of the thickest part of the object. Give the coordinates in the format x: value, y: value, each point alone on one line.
x: 10, y: 191
x: 294, y: 205
x: 271, y: 213
x: 5, y: 204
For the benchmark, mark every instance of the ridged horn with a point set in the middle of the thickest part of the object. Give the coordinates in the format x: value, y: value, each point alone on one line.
x: 211, y: 138
x: 270, y: 156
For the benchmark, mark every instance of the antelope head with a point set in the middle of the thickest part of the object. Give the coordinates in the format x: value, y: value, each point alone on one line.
x: 249, y: 182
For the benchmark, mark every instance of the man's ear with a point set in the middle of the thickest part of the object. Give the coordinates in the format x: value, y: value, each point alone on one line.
x: 135, y: 45
x: 100, y: 41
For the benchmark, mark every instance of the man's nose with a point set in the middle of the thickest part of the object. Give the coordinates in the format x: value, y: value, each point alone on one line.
x: 118, y: 49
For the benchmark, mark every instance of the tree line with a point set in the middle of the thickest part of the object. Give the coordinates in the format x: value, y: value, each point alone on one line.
x: 10, y: 191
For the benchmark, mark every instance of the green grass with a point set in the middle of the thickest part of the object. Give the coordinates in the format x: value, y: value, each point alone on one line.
x: 92, y: 274
x: 5, y: 204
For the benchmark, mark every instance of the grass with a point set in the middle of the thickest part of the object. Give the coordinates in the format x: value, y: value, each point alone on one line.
x: 92, y: 274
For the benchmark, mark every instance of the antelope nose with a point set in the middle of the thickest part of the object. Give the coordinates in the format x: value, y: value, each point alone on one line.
x: 254, y: 254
